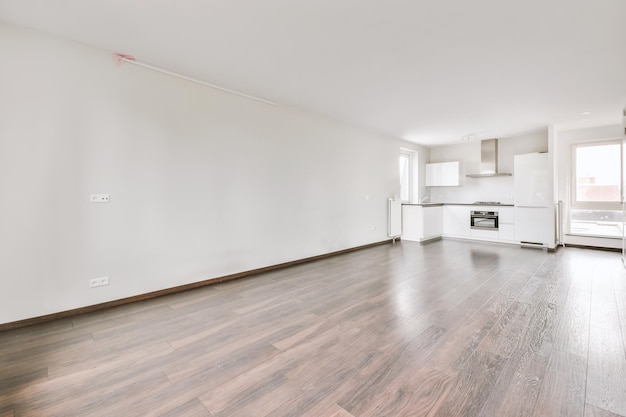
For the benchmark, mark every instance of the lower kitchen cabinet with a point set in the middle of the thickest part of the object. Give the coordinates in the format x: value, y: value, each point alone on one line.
x: 456, y: 221
x: 411, y: 222
x: 506, y: 215
x: 506, y: 224
x: 433, y: 222
x: 506, y: 232
x: 534, y: 225
x: 421, y: 223
x: 484, y: 234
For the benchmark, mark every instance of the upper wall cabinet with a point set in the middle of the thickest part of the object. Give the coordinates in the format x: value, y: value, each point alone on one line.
x: 443, y: 174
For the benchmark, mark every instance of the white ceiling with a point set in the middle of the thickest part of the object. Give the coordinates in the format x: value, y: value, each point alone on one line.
x: 427, y: 71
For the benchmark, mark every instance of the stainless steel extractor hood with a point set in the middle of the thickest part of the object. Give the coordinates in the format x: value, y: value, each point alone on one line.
x: 489, y: 160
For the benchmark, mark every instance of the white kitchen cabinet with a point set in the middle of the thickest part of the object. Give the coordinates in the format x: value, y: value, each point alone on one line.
x: 534, y: 225
x: 506, y: 232
x: 411, y: 222
x: 456, y: 221
x: 420, y: 223
x: 433, y: 221
x: 433, y: 174
x: 506, y: 215
x: 506, y: 224
x: 481, y: 234
x: 443, y: 174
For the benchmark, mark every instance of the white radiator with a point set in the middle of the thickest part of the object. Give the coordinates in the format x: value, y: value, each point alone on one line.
x: 394, y: 218
x: 559, y: 223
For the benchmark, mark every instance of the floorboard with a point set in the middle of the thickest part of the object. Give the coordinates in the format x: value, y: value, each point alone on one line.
x: 562, y: 392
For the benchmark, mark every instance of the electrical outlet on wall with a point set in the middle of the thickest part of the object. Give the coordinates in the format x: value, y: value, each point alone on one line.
x: 100, y: 198
x: 98, y: 282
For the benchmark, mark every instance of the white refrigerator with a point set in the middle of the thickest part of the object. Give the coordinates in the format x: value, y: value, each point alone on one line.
x: 534, y: 213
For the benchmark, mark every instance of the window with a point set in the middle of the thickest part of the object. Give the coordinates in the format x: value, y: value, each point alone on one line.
x: 405, y: 176
x: 596, y: 189
x: 597, y: 175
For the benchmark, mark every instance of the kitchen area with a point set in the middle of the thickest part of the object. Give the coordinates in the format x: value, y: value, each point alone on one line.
x: 495, y: 190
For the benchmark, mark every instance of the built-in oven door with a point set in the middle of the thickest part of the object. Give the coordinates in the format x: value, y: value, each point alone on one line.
x: 485, y: 220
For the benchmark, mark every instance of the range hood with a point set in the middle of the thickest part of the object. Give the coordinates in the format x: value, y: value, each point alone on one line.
x: 489, y: 160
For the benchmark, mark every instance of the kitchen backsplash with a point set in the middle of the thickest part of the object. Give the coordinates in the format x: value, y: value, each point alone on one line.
x: 475, y: 189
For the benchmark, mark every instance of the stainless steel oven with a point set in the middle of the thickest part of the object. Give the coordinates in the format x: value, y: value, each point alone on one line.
x: 484, y: 220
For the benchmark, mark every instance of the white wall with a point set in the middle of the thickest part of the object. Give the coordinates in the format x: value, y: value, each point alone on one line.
x: 490, y: 188
x: 563, y: 146
x: 202, y: 183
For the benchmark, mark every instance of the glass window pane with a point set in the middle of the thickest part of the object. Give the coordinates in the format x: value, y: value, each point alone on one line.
x: 596, y: 190
x: 597, y: 222
x: 598, y: 173
x: 405, y: 164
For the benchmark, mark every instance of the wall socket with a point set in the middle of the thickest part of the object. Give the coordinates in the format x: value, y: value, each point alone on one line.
x: 98, y: 282
x: 100, y: 198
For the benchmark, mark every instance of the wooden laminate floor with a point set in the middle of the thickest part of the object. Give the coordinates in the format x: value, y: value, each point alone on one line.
x: 446, y: 329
